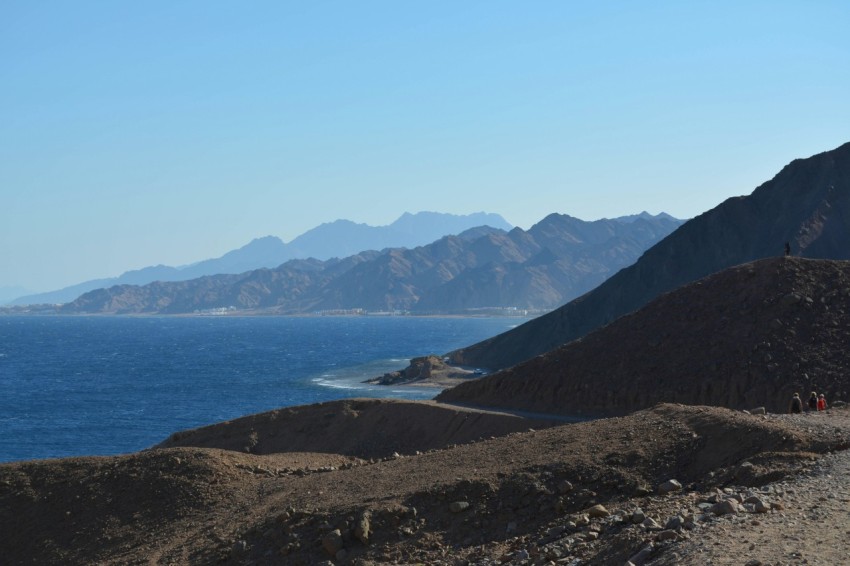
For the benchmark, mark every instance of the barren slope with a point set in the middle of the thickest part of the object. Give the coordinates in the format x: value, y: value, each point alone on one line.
x: 748, y: 336
x: 497, y: 498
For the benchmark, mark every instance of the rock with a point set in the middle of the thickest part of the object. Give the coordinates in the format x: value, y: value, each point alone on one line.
x: 598, y: 512
x: 639, y: 558
x: 565, y: 487
x: 522, y: 555
x: 642, y: 490
x: 591, y: 535
x: 666, y: 535
x: 582, y: 521
x: 332, y: 542
x: 758, y: 411
x: 363, y: 527
x: 458, y: 506
x: 650, y: 524
x: 777, y: 506
x: 675, y: 523
x: 725, y: 507
x: 760, y: 506
x: 341, y: 555
x: 638, y: 516
x: 239, y: 547
x: 669, y: 486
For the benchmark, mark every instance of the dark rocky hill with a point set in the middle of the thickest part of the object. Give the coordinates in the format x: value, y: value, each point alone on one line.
x: 557, y: 259
x: 806, y: 204
x: 748, y: 336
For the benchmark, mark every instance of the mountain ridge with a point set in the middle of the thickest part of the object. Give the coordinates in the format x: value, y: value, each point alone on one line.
x: 486, y: 268
x: 750, y: 335
x: 340, y: 238
x: 806, y: 204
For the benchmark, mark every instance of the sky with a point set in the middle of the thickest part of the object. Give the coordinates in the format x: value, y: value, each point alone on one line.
x: 168, y: 132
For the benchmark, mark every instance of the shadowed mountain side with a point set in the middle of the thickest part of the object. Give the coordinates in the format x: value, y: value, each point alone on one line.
x: 363, y: 428
x: 557, y: 259
x: 806, y: 204
x: 748, y: 336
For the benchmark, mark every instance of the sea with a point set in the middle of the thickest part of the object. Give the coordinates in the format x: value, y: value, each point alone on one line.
x: 105, y: 385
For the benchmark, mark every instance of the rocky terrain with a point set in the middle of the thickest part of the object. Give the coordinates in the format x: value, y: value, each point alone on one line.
x: 658, y: 486
x: 430, y: 371
x: 748, y: 336
x: 557, y: 259
x: 806, y: 204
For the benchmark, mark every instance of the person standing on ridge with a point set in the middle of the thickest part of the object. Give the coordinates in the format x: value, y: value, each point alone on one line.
x: 813, y: 401
x: 787, y: 249
x: 796, y: 404
x: 821, y: 402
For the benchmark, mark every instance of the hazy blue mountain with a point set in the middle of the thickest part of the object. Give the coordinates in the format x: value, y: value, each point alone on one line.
x: 554, y: 261
x: 9, y: 293
x: 341, y: 238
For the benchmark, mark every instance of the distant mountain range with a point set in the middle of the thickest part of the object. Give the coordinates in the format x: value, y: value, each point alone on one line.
x: 340, y: 238
x: 557, y: 259
x: 807, y: 204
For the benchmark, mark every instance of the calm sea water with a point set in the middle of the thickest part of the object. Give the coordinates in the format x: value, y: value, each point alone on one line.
x: 73, y: 386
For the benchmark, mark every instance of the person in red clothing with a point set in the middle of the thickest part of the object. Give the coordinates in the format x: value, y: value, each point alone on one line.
x: 821, y: 402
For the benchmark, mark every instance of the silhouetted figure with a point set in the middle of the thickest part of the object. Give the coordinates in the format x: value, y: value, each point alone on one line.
x: 821, y: 402
x: 796, y: 404
x: 813, y: 401
x: 787, y: 249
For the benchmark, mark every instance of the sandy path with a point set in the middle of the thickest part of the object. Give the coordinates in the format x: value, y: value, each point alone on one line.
x: 813, y: 527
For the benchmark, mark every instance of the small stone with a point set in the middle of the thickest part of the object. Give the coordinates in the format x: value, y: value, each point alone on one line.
x: 582, y: 521
x: 590, y: 536
x: 565, y: 487
x: 458, y: 506
x: 675, y: 523
x: 363, y: 527
x: 638, y: 516
x: 650, y: 524
x: 598, y: 512
x: 332, y: 542
x: 777, y: 506
x: 725, y: 507
x: 669, y: 486
x: 666, y: 535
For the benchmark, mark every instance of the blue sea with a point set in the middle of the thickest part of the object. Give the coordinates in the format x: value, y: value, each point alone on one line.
x: 72, y: 386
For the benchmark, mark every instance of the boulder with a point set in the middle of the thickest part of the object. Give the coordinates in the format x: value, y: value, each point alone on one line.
x: 669, y: 487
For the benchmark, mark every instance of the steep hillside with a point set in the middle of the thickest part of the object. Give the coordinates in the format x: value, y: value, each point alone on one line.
x: 557, y: 259
x: 807, y: 204
x: 748, y: 336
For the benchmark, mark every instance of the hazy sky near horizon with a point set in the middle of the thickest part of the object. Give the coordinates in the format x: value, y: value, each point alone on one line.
x: 140, y: 133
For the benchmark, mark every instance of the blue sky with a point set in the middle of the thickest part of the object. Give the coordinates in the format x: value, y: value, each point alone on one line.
x: 138, y: 133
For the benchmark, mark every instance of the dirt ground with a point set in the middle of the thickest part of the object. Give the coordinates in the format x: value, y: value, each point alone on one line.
x: 518, y: 497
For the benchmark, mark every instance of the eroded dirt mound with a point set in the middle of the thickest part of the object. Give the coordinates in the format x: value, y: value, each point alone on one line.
x: 746, y: 337
x: 477, y: 501
x: 366, y: 428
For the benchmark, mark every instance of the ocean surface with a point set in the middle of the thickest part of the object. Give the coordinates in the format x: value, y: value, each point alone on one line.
x: 73, y: 386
